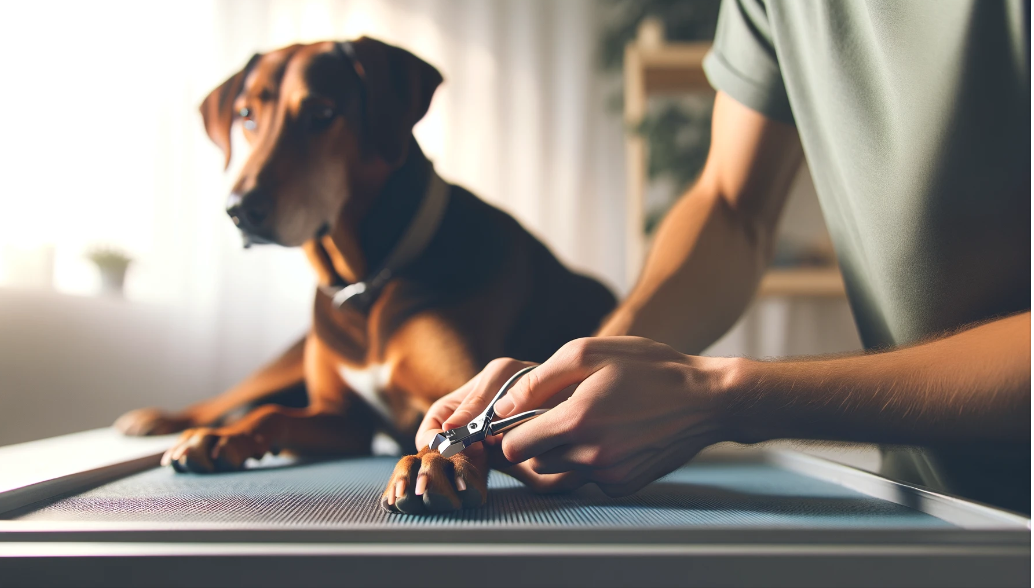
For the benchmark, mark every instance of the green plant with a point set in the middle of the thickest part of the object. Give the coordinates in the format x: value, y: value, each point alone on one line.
x: 108, y: 257
x: 683, y: 20
x: 679, y: 135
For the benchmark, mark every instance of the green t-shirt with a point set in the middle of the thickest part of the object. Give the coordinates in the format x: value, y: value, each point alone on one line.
x: 915, y: 121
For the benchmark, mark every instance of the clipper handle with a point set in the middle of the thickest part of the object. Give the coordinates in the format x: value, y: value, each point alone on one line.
x: 510, y: 422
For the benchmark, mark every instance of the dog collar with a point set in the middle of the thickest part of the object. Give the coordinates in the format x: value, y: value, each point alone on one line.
x: 361, y: 295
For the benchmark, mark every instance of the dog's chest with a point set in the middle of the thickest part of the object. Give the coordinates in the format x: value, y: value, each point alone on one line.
x: 370, y: 382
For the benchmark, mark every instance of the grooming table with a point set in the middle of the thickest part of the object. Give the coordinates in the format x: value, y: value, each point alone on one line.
x: 730, y: 518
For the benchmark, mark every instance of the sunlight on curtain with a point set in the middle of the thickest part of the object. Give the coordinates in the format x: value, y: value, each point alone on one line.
x: 102, y: 145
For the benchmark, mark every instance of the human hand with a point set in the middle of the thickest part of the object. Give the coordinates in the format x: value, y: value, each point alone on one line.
x: 458, y: 408
x: 628, y: 410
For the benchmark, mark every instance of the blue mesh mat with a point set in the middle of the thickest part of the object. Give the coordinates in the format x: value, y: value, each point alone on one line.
x: 345, y: 493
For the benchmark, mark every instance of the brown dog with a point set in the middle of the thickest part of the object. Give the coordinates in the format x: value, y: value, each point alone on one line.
x: 421, y: 283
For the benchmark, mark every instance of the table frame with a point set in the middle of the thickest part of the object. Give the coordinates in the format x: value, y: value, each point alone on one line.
x: 989, y: 547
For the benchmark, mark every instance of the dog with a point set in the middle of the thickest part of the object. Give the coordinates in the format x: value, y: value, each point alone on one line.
x: 421, y: 283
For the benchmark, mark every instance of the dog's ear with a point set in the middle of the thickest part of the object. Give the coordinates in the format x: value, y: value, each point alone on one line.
x: 399, y: 88
x: 217, y: 109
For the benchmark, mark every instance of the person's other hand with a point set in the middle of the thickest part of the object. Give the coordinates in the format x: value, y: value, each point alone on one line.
x: 458, y: 408
x: 628, y: 410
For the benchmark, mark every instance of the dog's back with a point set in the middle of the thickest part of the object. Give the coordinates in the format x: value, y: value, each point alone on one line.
x: 547, y: 304
x: 489, y: 278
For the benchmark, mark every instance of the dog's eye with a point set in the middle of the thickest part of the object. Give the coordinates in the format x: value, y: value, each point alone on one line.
x: 320, y: 117
x: 249, y: 118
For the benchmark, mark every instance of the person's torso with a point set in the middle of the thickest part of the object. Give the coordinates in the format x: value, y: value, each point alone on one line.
x: 915, y: 119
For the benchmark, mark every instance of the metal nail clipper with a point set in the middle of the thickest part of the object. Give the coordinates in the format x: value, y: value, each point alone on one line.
x: 456, y: 440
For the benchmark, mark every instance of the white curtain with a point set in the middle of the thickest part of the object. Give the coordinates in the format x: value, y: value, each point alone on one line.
x: 102, y: 144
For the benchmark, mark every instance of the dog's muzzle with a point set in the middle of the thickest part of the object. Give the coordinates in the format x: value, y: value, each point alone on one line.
x: 249, y: 212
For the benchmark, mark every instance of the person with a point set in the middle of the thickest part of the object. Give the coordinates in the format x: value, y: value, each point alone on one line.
x: 914, y: 118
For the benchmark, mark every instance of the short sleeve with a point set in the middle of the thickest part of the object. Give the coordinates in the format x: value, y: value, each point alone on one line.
x: 743, y: 63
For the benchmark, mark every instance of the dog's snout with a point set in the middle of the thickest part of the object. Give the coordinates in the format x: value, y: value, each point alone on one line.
x: 248, y: 211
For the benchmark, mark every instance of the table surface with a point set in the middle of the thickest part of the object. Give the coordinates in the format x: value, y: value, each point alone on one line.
x: 744, y: 518
x: 345, y: 493
x: 24, y: 464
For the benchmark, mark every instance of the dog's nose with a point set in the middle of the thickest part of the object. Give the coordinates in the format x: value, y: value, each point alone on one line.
x: 248, y: 211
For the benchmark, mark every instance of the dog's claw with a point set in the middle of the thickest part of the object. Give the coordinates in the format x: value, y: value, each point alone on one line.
x: 213, y: 450
x: 410, y: 504
x: 436, y: 503
x: 429, y: 483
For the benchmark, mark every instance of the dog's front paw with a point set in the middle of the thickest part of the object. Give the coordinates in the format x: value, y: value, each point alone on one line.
x: 207, y: 450
x: 152, y: 421
x: 429, y: 483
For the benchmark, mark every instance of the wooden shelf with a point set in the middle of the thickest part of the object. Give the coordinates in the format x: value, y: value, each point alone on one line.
x: 804, y: 282
x: 652, y: 68
x: 673, y: 68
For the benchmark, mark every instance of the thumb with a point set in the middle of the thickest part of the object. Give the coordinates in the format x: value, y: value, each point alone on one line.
x: 565, y: 368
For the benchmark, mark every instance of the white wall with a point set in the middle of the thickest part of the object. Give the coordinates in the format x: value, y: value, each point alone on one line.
x: 70, y: 363
x: 103, y: 144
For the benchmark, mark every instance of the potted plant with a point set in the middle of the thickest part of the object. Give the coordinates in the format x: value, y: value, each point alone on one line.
x: 112, y: 264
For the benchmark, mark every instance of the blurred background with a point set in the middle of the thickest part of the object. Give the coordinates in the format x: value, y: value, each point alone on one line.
x: 122, y: 282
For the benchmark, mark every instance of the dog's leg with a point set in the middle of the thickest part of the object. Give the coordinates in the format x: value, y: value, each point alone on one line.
x: 271, y: 429
x: 285, y: 373
x: 428, y: 482
x: 335, y: 423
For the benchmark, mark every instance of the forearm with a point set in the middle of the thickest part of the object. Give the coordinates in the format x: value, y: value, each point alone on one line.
x: 713, y: 246
x: 700, y: 275
x: 970, y: 387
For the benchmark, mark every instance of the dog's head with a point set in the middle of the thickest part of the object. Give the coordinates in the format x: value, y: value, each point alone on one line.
x: 325, y: 123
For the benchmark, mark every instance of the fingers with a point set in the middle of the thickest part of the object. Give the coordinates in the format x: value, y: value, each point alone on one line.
x: 480, y: 391
x: 425, y: 437
x: 441, y: 410
x: 545, y: 484
x: 571, y: 463
x: 540, y: 435
x: 444, y: 407
x: 633, y: 475
x: 568, y: 423
x: 565, y: 458
x: 567, y: 367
